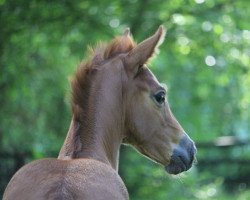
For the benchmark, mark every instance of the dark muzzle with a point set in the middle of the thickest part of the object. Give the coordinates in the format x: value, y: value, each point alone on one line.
x: 182, y: 157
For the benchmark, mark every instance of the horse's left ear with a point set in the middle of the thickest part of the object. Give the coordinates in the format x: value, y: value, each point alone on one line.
x: 145, y: 50
x: 127, y: 32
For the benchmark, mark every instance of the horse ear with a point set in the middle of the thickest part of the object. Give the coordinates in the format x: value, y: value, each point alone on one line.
x: 127, y: 32
x: 145, y: 50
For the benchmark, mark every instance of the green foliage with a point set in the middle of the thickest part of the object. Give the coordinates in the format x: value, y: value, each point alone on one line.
x: 205, y: 62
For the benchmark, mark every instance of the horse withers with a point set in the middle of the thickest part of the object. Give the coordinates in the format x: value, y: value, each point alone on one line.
x: 115, y: 99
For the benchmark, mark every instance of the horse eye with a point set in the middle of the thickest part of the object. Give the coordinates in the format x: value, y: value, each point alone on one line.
x: 160, y: 97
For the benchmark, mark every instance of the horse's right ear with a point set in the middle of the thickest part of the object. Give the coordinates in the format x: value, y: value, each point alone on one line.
x: 144, y: 51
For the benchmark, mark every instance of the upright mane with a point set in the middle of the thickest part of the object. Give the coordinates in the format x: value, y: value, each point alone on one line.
x: 85, y: 74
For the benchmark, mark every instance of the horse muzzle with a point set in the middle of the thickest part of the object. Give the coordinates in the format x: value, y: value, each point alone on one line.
x: 182, y: 157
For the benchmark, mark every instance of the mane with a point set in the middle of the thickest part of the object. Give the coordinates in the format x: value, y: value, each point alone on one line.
x: 85, y: 74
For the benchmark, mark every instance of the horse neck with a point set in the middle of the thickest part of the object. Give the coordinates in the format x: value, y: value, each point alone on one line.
x: 99, y: 135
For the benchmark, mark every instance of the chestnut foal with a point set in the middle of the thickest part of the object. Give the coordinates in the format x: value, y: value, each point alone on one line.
x: 115, y: 99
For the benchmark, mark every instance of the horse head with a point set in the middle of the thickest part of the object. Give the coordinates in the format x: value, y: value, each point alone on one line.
x: 150, y: 125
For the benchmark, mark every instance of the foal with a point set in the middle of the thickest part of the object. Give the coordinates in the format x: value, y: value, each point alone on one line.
x: 115, y: 99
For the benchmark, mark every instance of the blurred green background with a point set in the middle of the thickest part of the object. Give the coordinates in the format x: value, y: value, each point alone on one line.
x: 205, y: 61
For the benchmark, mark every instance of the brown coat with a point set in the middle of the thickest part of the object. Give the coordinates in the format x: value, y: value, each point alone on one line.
x: 66, y: 179
x: 115, y: 99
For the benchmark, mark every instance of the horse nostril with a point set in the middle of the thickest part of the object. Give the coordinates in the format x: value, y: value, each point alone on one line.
x: 180, y: 161
x: 184, y: 161
x: 182, y: 157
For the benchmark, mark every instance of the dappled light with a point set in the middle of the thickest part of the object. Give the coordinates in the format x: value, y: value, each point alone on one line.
x: 210, y: 61
x: 204, y: 61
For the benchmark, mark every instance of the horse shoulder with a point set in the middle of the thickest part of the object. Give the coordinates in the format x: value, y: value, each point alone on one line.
x: 95, y: 180
x: 29, y: 181
x: 66, y: 179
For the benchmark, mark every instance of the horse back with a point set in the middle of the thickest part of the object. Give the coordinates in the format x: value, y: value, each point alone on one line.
x: 66, y: 179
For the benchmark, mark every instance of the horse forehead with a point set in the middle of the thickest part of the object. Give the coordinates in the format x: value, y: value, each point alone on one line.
x: 113, y: 64
x: 146, y: 76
